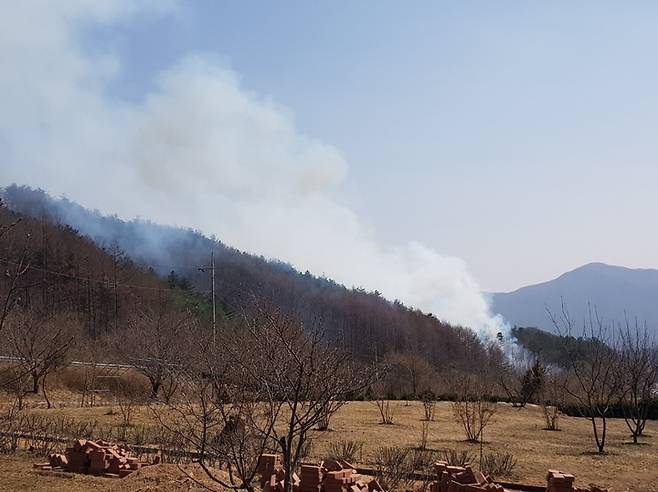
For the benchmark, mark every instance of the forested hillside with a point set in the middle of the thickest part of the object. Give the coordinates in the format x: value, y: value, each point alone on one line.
x: 54, y: 269
x: 554, y: 349
x: 101, y: 264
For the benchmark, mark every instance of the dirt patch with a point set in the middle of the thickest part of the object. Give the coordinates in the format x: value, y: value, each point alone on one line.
x: 168, y: 477
x: 17, y: 475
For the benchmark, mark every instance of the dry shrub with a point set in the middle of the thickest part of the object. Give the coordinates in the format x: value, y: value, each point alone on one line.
x: 92, y: 382
x: 498, y: 465
x: 551, y: 416
x: 393, y: 466
x: 351, y: 451
x: 422, y: 460
x: 429, y: 404
x: 40, y: 433
x: 474, y: 416
x: 472, y: 408
x: 16, y: 382
x: 456, y: 457
x: 9, y: 424
x: 385, y: 411
x: 550, y: 399
x: 424, y: 434
x: 71, y: 378
x: 323, y: 422
x: 128, y: 394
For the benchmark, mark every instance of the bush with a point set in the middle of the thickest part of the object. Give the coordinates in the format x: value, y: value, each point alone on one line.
x: 323, y: 423
x: 351, y: 451
x: 551, y: 417
x: 429, y: 404
x: 393, y: 466
x: 386, y: 411
x: 422, y: 460
x: 458, y: 458
x: 498, y: 464
x: 474, y: 416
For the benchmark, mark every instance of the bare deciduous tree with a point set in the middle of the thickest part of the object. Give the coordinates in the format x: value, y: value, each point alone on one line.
x: 638, y: 373
x: 473, y: 409
x: 551, y: 397
x: 219, y: 411
x: 386, y: 409
x: 128, y: 396
x: 523, y: 380
x: 40, y: 344
x: 17, y: 384
x: 308, y: 375
x: 408, y: 373
x: 155, y: 342
x: 13, y: 270
x: 595, y: 383
x: 429, y: 404
x: 222, y: 422
x: 267, y: 390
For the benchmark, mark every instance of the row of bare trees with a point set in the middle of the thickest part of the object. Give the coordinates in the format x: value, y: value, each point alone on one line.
x: 265, y: 384
x: 621, y: 368
x: 609, y: 369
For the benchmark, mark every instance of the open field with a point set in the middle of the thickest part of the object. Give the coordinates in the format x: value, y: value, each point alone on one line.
x: 16, y: 474
x: 516, y: 431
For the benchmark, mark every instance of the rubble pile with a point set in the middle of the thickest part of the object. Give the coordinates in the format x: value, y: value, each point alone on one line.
x: 94, y: 458
x: 341, y: 476
x: 103, y: 459
x: 557, y: 481
x: 461, y: 479
x: 327, y: 476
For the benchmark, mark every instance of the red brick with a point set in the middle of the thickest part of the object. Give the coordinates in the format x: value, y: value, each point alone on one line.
x: 464, y: 477
x: 375, y: 485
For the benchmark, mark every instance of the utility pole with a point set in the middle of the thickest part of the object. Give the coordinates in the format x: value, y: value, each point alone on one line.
x: 212, y: 293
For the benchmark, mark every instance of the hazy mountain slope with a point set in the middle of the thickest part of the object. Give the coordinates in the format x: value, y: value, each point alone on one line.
x: 612, y: 289
x: 364, y: 322
x: 70, y: 275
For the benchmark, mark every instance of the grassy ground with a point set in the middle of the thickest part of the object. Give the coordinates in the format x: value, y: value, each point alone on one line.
x: 17, y: 475
x: 516, y: 431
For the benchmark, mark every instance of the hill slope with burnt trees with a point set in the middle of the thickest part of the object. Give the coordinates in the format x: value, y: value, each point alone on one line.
x: 87, y: 245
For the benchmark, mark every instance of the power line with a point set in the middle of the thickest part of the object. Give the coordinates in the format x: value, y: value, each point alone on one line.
x: 88, y: 279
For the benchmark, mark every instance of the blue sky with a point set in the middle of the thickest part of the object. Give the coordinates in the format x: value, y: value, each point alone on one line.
x: 517, y: 136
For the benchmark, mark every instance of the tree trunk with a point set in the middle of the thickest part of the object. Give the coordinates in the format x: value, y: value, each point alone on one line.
x: 43, y: 388
x: 155, y: 387
x: 35, y: 383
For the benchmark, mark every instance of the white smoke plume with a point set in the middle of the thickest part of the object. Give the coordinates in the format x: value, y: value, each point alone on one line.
x: 198, y: 150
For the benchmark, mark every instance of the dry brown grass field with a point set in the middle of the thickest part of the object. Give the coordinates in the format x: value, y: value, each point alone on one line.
x: 517, y: 431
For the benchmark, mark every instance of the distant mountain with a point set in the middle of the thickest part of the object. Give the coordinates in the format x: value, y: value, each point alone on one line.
x: 613, y: 290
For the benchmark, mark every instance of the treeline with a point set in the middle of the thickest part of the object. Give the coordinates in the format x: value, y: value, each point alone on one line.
x: 364, y: 323
x: 552, y: 348
x: 54, y: 270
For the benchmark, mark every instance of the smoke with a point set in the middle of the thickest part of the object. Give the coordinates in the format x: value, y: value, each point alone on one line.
x: 198, y: 150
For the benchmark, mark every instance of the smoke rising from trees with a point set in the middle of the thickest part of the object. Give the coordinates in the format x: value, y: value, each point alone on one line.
x: 198, y: 150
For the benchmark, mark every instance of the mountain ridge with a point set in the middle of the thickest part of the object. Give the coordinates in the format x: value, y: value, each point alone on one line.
x: 615, y: 291
x: 351, y: 316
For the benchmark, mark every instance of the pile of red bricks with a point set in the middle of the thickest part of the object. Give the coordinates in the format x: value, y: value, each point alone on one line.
x: 328, y: 476
x: 461, y: 479
x: 341, y: 476
x: 557, y: 481
x: 95, y: 458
